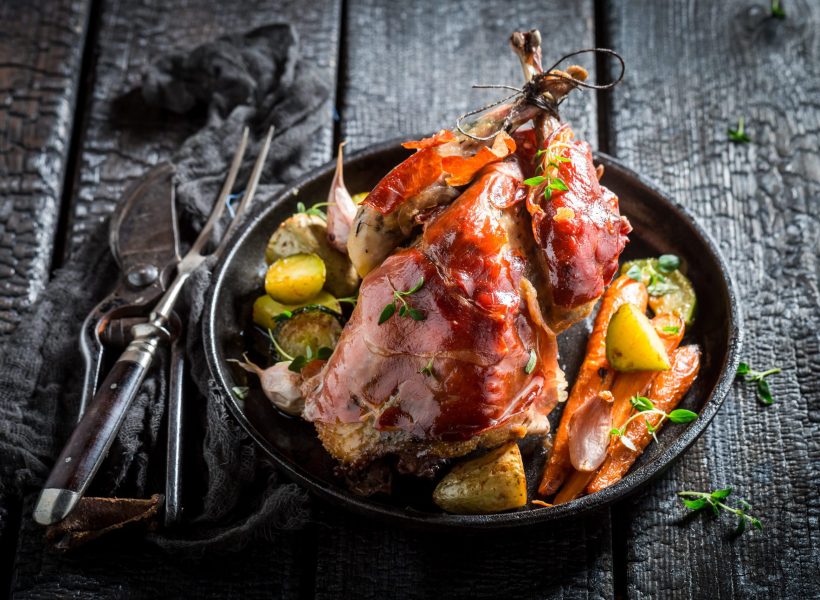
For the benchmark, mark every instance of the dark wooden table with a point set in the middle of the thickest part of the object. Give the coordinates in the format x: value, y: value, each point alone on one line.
x: 404, y: 67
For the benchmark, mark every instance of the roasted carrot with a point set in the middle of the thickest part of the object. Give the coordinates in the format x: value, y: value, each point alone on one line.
x: 626, y: 385
x: 670, y: 329
x: 666, y: 391
x: 594, y: 376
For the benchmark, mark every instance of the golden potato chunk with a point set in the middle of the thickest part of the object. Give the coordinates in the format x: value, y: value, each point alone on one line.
x: 295, y: 279
x: 487, y: 484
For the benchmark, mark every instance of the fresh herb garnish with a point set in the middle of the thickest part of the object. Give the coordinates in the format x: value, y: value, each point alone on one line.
x: 764, y: 393
x: 314, y: 210
x: 404, y: 307
x: 668, y: 263
x: 554, y: 184
x: 349, y: 299
x: 714, y: 500
x: 670, y: 329
x: 645, y: 407
x: 777, y: 10
x: 297, y: 363
x: 634, y: 273
x: 428, y: 368
x: 531, y: 363
x: 739, y: 135
x: 240, y: 391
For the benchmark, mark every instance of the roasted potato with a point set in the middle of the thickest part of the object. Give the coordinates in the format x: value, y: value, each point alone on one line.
x: 487, y: 484
x: 632, y: 344
x: 295, y: 279
x: 303, y: 234
x: 313, y: 327
x: 266, y: 309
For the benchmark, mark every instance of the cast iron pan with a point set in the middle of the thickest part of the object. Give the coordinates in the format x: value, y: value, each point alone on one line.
x: 660, y: 226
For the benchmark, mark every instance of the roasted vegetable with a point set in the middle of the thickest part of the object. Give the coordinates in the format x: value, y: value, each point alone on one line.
x: 359, y: 198
x: 589, y: 432
x: 670, y: 328
x: 306, y: 233
x: 295, y: 279
x: 632, y: 344
x: 593, y: 377
x: 266, y: 310
x: 487, y: 484
x: 311, y: 327
x: 667, y: 390
x: 670, y: 291
x: 279, y: 384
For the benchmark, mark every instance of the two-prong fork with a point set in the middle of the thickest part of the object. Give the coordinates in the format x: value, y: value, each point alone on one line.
x: 91, y: 439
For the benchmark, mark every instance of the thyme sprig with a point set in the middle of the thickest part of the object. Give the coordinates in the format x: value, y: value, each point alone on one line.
x: 764, y: 392
x: 645, y: 408
x: 297, y: 363
x: 777, y: 10
x: 427, y: 369
x: 715, y: 501
x: 739, y: 135
x: 403, y: 306
x: 315, y: 210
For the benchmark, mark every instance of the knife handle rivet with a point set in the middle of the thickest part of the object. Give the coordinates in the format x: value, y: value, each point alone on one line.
x: 142, y: 275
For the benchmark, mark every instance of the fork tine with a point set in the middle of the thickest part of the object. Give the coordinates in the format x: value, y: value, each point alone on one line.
x: 227, y: 186
x: 250, y: 190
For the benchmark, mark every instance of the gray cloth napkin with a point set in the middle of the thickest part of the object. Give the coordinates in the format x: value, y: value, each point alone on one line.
x: 255, y: 79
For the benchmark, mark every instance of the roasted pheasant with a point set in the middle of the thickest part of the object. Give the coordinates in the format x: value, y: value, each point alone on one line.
x: 486, y: 242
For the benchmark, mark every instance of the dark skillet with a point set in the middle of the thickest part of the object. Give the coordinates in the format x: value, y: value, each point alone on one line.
x: 660, y: 226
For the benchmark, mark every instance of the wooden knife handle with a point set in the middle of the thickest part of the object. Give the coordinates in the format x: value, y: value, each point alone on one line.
x: 91, y: 439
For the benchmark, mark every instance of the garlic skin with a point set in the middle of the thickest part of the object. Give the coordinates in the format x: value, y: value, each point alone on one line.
x: 340, y: 208
x: 280, y: 385
x: 589, y: 433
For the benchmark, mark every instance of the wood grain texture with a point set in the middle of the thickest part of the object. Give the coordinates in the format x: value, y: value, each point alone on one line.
x: 692, y: 71
x: 41, y: 45
x: 407, y: 69
x: 124, y: 566
x: 123, y: 138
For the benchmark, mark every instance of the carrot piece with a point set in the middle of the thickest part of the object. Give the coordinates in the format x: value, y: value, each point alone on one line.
x: 670, y: 328
x: 594, y: 376
x: 666, y: 391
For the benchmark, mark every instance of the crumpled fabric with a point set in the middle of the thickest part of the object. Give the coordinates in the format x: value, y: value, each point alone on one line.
x: 254, y: 79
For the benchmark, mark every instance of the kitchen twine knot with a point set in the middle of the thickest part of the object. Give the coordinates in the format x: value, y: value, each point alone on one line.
x: 531, y: 92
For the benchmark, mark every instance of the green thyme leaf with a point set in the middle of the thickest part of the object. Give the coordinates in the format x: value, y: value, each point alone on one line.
x: 240, y: 391
x: 764, y: 392
x: 557, y: 185
x: 537, y: 180
x: 634, y: 273
x: 670, y: 329
x: 681, y: 415
x: 777, y: 10
x: 738, y: 135
x: 324, y: 353
x: 694, y: 504
x: 531, y: 363
x: 387, y: 312
x: 721, y: 494
x: 615, y: 431
x: 416, y: 314
x: 641, y: 404
x: 743, y: 369
x: 668, y: 263
x: 297, y: 364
